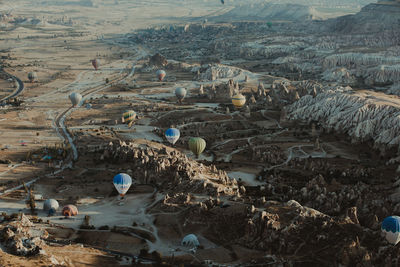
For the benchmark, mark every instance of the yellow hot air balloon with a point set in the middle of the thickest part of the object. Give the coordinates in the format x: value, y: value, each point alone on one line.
x: 238, y: 100
x: 197, y: 145
x: 129, y: 117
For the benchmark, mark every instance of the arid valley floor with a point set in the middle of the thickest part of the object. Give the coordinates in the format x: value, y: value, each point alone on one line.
x: 302, y: 175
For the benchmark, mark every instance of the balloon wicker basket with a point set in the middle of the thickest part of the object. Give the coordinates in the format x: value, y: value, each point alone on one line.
x: 121, y: 200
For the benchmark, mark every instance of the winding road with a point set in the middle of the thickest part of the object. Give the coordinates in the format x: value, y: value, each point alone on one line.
x: 17, y: 91
x: 59, y: 121
x: 59, y: 124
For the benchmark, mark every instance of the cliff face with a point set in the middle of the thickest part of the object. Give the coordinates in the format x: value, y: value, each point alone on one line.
x: 372, y: 18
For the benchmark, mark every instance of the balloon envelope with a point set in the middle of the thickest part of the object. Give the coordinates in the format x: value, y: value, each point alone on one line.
x: 129, y: 116
x: 161, y: 75
x: 50, y: 204
x: 391, y: 228
x: 51, y: 212
x: 70, y: 210
x: 75, y: 98
x: 96, y: 63
x: 122, y: 182
x: 190, y: 241
x: 238, y: 100
x: 32, y: 76
x: 172, y: 135
x: 197, y: 145
x: 180, y: 93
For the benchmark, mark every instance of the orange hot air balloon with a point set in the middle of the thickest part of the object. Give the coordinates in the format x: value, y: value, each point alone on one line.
x: 70, y: 210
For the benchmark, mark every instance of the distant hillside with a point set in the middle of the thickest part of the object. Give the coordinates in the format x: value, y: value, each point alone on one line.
x: 372, y: 18
x: 284, y: 12
x: 314, y: 3
x: 86, y: 3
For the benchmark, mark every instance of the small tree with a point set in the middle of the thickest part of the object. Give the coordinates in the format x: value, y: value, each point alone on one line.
x: 31, y: 199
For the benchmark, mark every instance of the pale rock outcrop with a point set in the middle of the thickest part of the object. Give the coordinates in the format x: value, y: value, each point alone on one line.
x: 168, y: 168
x: 383, y: 74
x: 357, y: 60
x: 340, y: 75
x: 359, y: 116
x: 20, y: 237
x: 214, y: 72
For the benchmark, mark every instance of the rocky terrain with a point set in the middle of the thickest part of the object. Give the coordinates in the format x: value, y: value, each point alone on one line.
x: 303, y: 174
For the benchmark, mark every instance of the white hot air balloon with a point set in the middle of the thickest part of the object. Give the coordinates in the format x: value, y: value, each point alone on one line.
x: 180, y: 93
x: 50, y: 204
x: 75, y: 99
x: 161, y: 75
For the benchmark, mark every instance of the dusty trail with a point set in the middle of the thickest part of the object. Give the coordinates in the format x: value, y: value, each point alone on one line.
x: 291, y: 155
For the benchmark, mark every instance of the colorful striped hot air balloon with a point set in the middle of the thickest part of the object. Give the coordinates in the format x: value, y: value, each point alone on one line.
x: 129, y: 117
x: 172, y: 135
x: 391, y: 228
x: 161, y: 75
x: 122, y: 183
x: 197, y: 145
x: 238, y: 100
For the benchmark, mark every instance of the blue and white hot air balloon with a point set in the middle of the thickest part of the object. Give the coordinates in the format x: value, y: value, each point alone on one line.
x: 391, y: 228
x: 172, y: 135
x: 122, y: 182
x: 190, y: 241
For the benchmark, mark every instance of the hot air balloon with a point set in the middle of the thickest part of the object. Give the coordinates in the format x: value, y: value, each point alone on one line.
x: 197, y: 145
x: 391, y: 228
x: 238, y: 100
x: 172, y: 135
x: 50, y: 204
x: 95, y: 63
x: 51, y: 212
x: 129, y: 117
x: 32, y: 76
x: 161, y: 75
x: 70, y: 210
x: 75, y: 98
x: 180, y: 93
x: 122, y: 182
x: 190, y: 241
